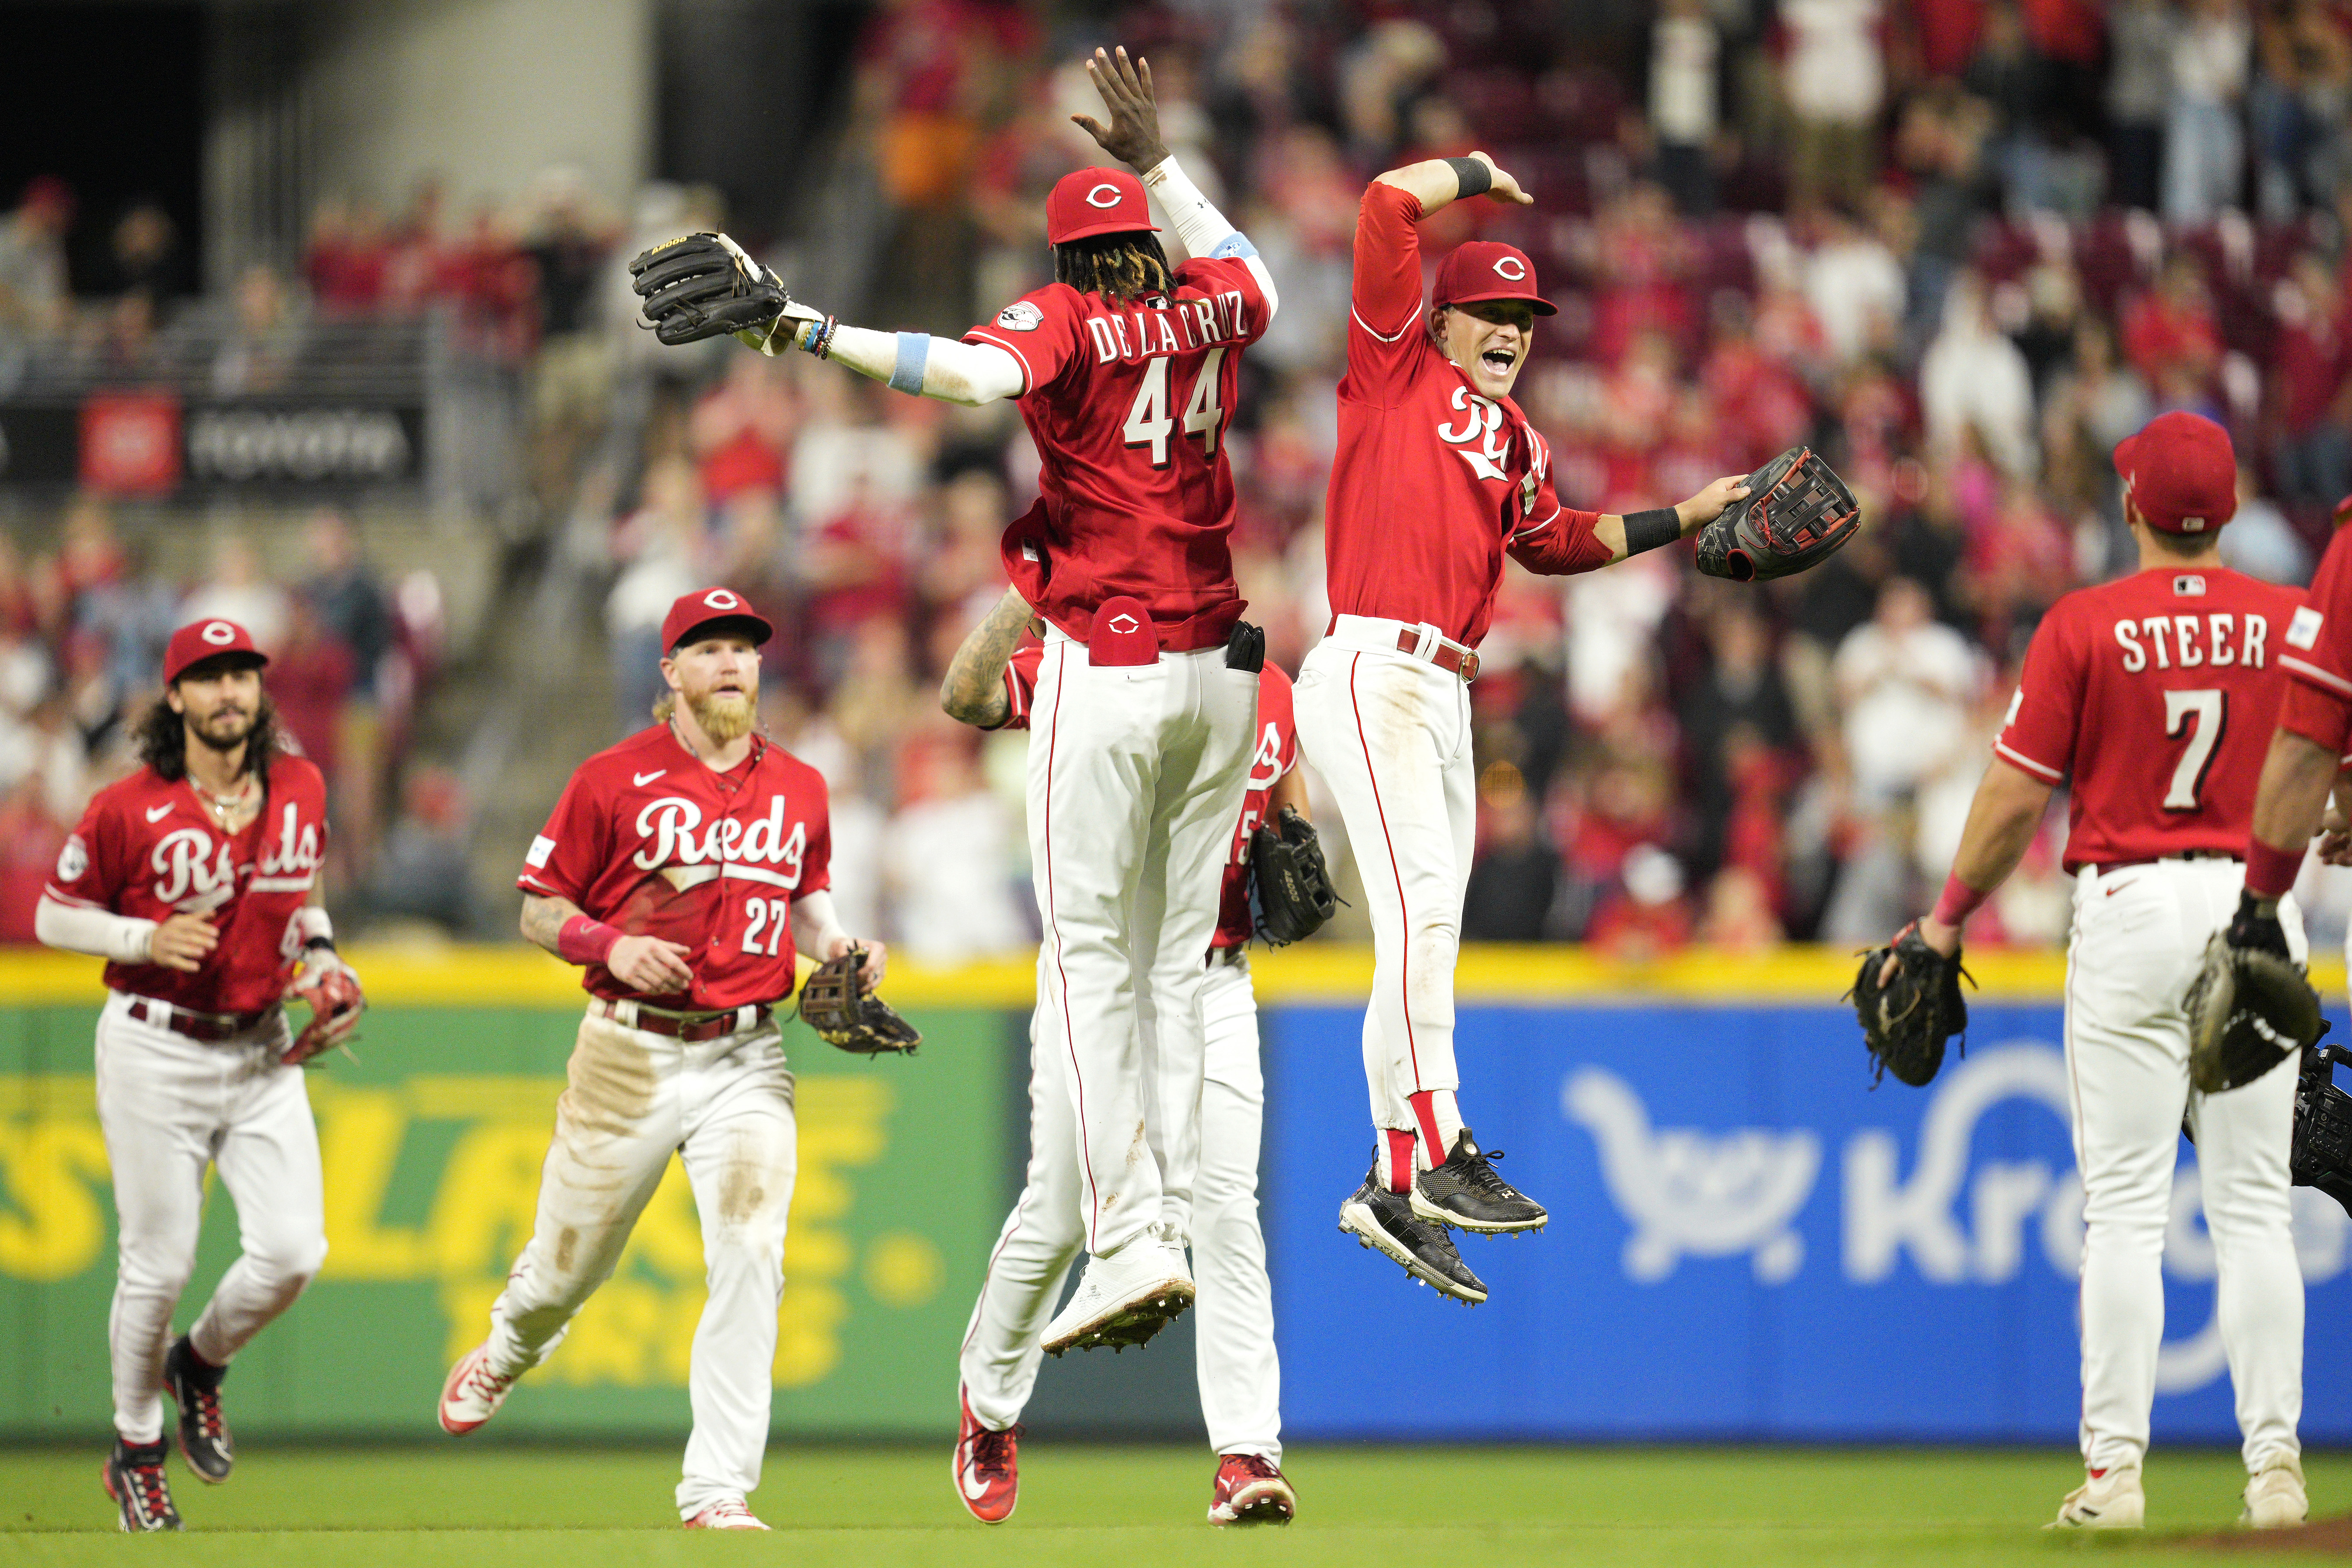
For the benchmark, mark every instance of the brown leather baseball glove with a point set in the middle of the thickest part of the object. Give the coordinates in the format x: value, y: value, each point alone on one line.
x: 836, y: 1002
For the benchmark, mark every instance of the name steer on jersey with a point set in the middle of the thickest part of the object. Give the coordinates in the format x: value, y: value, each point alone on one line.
x: 2152, y: 696
x: 685, y: 871
x: 1438, y: 476
x: 197, y: 879
x: 992, y: 684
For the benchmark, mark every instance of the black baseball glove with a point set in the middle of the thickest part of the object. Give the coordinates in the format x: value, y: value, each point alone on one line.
x: 836, y: 1004
x: 2250, y: 1007
x: 704, y: 286
x: 2320, y: 1153
x: 1290, y: 888
x: 1906, y: 1021
x: 1797, y: 513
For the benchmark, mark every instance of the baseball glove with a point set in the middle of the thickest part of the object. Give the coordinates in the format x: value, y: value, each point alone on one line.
x: 1906, y: 1021
x: 1797, y: 513
x: 836, y: 1002
x: 332, y: 990
x: 2320, y: 1153
x: 1290, y: 888
x: 704, y: 286
x: 2249, y: 1009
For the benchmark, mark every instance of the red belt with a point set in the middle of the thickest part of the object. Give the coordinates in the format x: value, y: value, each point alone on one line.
x: 206, y: 1027
x: 686, y: 1026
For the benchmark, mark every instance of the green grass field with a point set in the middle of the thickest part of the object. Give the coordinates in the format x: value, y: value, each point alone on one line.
x: 876, y: 1508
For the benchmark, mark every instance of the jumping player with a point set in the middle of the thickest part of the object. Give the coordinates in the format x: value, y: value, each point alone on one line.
x: 1437, y: 474
x: 992, y: 684
x: 197, y: 879
x: 2155, y: 694
x: 1125, y: 372
x: 683, y: 869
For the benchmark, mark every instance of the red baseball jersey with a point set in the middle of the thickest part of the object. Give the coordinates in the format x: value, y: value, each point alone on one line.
x: 1278, y: 753
x: 2317, y: 655
x: 1430, y: 482
x: 1129, y: 409
x: 2157, y: 693
x: 651, y: 840
x: 150, y: 849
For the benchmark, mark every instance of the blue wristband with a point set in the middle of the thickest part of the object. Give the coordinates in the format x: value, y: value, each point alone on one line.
x: 1235, y: 244
x: 914, y: 352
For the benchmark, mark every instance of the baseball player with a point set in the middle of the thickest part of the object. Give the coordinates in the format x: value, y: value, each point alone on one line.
x: 993, y: 685
x: 1437, y: 474
x: 683, y: 869
x: 2155, y: 694
x: 1124, y: 372
x: 196, y: 878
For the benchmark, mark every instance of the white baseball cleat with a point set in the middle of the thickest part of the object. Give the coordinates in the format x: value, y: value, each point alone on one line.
x: 2107, y: 1500
x: 473, y: 1392
x: 1124, y: 1298
x: 2275, y: 1499
x: 728, y: 1513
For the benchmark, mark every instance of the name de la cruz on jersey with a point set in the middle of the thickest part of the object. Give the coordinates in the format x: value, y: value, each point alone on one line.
x: 1216, y: 319
x: 728, y: 846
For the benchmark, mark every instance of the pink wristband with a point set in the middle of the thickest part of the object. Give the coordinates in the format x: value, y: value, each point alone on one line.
x: 2271, y: 873
x: 585, y: 940
x: 1959, y: 901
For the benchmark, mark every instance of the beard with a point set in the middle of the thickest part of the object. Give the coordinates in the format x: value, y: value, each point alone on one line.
x: 724, y: 716
x: 225, y: 730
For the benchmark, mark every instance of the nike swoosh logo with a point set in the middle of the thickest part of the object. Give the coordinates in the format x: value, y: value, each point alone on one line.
x: 973, y: 1487
x: 160, y: 813
x: 2120, y: 886
x: 644, y: 779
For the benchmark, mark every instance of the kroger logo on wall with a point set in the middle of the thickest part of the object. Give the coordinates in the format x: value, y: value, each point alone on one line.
x: 1747, y: 1240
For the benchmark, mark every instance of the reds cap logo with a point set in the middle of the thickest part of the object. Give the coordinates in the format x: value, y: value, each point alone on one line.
x: 1512, y: 267
x: 721, y: 599
x: 1105, y: 195
x: 220, y: 634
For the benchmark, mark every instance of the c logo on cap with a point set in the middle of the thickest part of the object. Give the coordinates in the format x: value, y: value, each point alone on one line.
x: 721, y: 599
x: 1512, y: 267
x: 220, y: 634
x: 1098, y: 190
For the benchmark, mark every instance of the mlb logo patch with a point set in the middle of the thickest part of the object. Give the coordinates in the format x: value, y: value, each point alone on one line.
x: 2188, y: 583
x: 2303, y: 630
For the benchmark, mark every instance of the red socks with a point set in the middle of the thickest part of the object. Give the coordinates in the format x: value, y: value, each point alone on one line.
x: 1400, y: 1160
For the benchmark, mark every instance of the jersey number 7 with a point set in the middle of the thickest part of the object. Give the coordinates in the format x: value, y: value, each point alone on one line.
x: 1148, y: 424
x: 2211, y: 711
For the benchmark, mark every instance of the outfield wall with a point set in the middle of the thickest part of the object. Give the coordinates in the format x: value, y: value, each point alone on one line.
x: 1748, y: 1241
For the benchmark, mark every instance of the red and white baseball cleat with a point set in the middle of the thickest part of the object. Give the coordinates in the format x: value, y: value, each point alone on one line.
x: 728, y: 1513
x: 987, y: 1467
x: 1250, y: 1491
x: 473, y: 1393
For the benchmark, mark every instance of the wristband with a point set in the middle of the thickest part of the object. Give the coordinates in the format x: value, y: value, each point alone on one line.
x: 584, y: 940
x: 1651, y: 528
x: 1472, y: 176
x: 2271, y: 873
x: 914, y: 352
x: 1959, y: 902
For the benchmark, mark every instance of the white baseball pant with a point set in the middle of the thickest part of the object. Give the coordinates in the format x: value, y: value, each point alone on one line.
x: 725, y: 1107
x: 1136, y: 778
x: 169, y: 1105
x: 2139, y: 934
x: 1389, y: 734
x: 1240, y: 1375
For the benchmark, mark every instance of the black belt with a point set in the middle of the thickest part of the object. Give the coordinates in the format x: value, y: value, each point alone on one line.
x: 2153, y: 860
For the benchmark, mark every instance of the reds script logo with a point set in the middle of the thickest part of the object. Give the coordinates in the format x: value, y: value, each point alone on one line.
x: 1483, y: 424
x: 189, y: 874
x: 726, y: 847
x: 1267, y: 766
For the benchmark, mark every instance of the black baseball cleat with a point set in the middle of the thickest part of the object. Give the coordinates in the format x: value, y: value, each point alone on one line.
x: 134, y: 1474
x: 204, y: 1431
x: 1466, y: 1193
x: 1380, y: 1218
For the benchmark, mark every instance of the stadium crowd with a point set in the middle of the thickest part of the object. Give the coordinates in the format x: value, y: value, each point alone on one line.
x: 1962, y: 246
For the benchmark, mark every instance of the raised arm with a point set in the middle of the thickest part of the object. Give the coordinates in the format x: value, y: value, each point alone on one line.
x: 972, y: 691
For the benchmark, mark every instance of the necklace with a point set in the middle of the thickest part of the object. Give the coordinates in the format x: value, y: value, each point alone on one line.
x: 224, y: 805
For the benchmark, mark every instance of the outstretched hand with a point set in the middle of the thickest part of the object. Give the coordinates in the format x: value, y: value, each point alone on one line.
x: 1506, y: 185
x: 1133, y: 134
x: 1708, y: 505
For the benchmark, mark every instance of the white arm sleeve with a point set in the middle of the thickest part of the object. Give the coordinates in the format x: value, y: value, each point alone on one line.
x: 969, y: 374
x: 814, y: 924
x: 1204, y: 230
x: 120, y: 938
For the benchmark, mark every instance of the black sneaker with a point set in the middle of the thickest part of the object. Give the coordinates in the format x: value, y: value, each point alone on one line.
x: 134, y: 1479
x: 204, y: 1431
x: 1466, y: 1193
x: 1380, y: 1219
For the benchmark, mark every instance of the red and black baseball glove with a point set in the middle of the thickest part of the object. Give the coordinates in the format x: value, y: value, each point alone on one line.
x: 1797, y: 514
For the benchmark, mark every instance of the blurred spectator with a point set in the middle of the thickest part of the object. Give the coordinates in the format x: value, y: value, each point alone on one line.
x: 240, y: 590
x: 2140, y: 36
x: 2260, y: 542
x: 2203, y: 141
x: 1516, y: 874
x: 145, y: 253
x: 1855, y: 287
x: 34, y: 290
x: 344, y: 591
x: 660, y: 549
x: 425, y: 871
x: 1683, y: 47
x: 1905, y: 680
x: 2312, y: 386
x: 1974, y: 385
x: 946, y: 855
x: 310, y: 675
x: 1835, y: 82
x: 259, y: 352
x: 743, y: 428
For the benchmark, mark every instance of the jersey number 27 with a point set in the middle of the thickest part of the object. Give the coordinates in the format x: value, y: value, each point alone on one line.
x: 1148, y: 424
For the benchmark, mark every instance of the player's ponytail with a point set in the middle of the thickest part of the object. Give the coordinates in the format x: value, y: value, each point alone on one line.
x: 1121, y: 268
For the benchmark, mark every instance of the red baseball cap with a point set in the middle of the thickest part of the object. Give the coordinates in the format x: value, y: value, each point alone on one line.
x: 2181, y: 471
x: 705, y: 607
x: 1489, y: 270
x: 200, y: 640
x: 1096, y: 201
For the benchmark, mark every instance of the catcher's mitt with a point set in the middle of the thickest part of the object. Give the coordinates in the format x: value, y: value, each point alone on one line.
x: 2249, y: 1009
x: 332, y: 990
x: 1797, y: 513
x: 836, y: 1002
x: 1290, y: 888
x: 1906, y: 1020
x: 2320, y: 1153
x: 704, y: 286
